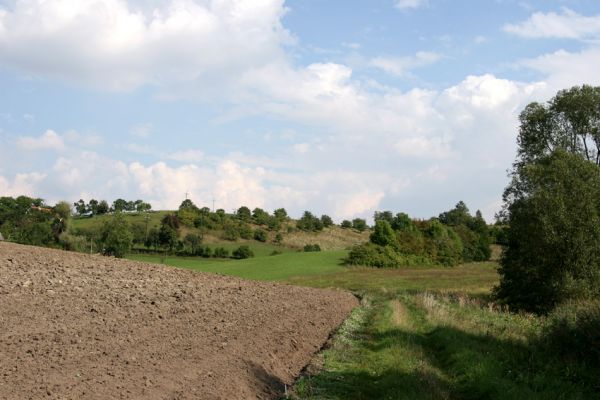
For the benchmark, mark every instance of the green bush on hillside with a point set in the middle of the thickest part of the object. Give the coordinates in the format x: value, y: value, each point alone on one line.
x: 242, y: 252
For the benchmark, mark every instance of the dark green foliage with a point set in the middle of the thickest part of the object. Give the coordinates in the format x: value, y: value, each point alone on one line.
x: 326, y: 221
x: 245, y: 231
x: 260, y: 216
x: 192, y: 241
x: 260, y: 235
x: 27, y: 220
x: 119, y: 205
x: 139, y: 233
x: 373, y: 255
x: 553, y: 252
x: 153, y: 239
x: 309, y: 222
x: 473, y: 232
x: 399, y: 241
x: 346, y: 224
x: 242, y: 252
x: 574, y: 333
x: 188, y: 213
x: 116, y: 238
x: 280, y: 214
x: 244, y: 214
x: 221, y: 252
x: 312, y: 247
x: 359, y: 224
x: 171, y: 220
x: 383, y: 234
x: 167, y: 237
x: 278, y: 238
x: 103, y: 207
x: 231, y: 232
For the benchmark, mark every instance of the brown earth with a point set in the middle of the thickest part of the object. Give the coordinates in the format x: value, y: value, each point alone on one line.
x: 74, y: 326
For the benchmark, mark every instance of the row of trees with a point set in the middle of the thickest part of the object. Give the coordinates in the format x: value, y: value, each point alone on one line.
x: 95, y: 207
x: 397, y: 240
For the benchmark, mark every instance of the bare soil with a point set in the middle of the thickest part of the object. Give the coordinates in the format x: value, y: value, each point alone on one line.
x: 74, y: 326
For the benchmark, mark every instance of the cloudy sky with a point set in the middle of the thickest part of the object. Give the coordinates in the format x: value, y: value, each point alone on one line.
x: 339, y: 107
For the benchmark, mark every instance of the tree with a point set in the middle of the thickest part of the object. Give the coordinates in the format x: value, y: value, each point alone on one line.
x: 359, y: 224
x: 192, y: 240
x: 62, y: 216
x: 553, y: 252
x: 119, y: 205
x: 167, y: 236
x: 102, y: 208
x: 346, y: 224
x: 459, y: 215
x: 326, y: 221
x: 260, y: 216
x: 80, y: 207
x: 260, y: 235
x: 280, y: 214
x: 171, y: 220
x: 116, y: 237
x: 242, y: 252
x: 244, y: 214
x: 383, y: 234
x: 93, y: 206
x: 569, y: 121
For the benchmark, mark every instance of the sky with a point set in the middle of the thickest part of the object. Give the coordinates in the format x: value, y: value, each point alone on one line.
x: 337, y: 107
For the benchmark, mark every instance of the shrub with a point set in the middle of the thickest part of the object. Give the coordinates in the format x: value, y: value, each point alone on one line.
x: 346, y: 224
x: 74, y: 243
x: 221, y: 252
x: 312, y: 247
x: 374, y: 255
x: 242, y: 252
x: 573, y: 332
x: 260, y: 235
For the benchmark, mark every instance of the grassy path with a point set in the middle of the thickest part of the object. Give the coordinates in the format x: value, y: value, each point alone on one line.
x: 426, y: 346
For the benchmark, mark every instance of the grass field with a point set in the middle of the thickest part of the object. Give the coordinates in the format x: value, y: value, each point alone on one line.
x: 421, y: 333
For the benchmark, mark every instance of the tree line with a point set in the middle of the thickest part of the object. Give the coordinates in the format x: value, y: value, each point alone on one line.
x: 454, y: 237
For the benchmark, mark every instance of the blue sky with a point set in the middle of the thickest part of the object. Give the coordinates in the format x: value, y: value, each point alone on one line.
x: 339, y: 107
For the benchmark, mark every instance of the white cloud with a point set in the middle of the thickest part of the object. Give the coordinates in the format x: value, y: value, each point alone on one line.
x: 566, y: 25
x: 113, y: 46
x: 49, y: 140
x: 563, y: 69
x: 401, y: 66
x: 22, y: 184
x: 410, y: 4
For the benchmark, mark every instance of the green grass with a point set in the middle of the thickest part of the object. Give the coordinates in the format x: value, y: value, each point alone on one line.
x: 420, y: 333
x: 268, y: 268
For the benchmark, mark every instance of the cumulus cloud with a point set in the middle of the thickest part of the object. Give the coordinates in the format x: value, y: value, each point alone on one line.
x: 565, y: 25
x: 112, y: 45
x: 49, y: 140
x: 410, y: 4
x: 22, y: 184
x: 401, y: 66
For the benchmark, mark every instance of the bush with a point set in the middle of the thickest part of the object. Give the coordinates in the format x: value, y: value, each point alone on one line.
x: 374, y: 255
x: 242, y: 252
x: 221, y: 252
x: 74, y: 243
x: 260, y: 235
x: 573, y: 332
x: 116, y: 236
x: 346, y: 224
x: 312, y: 247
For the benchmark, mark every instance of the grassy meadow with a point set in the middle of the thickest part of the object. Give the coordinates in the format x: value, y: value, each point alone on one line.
x: 420, y: 333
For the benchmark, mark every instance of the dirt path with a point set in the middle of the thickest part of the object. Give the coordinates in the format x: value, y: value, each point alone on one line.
x: 76, y: 326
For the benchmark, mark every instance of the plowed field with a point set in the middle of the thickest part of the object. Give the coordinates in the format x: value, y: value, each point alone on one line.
x: 74, y: 326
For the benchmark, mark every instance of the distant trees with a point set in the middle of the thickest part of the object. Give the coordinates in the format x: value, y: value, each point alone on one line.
x: 398, y: 240
x: 95, y: 207
x: 308, y: 222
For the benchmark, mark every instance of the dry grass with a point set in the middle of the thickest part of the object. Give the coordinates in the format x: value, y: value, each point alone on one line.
x: 332, y: 238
